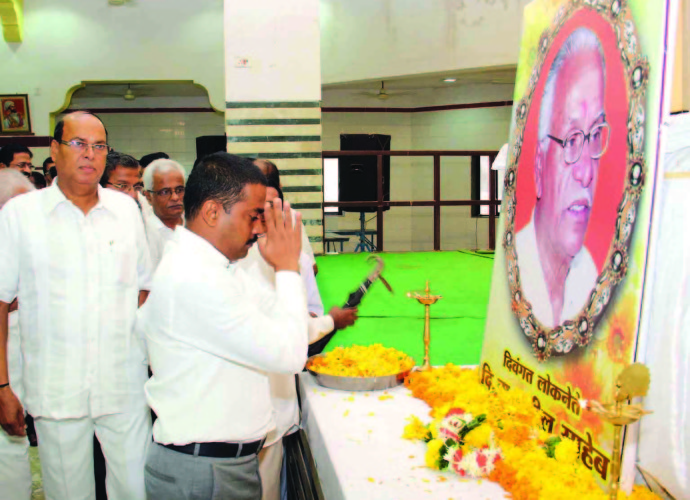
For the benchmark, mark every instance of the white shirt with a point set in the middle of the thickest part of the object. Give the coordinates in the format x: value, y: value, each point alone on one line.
x: 14, y: 356
x: 77, y: 278
x: 306, y: 245
x: 283, y: 389
x: 211, y: 345
x: 158, y: 234
x: 582, y: 277
x: 314, y: 303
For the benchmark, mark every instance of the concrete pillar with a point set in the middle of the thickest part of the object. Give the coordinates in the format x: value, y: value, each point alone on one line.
x: 273, y: 96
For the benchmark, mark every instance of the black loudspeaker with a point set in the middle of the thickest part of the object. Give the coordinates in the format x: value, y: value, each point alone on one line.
x: 357, y: 174
x: 208, y: 144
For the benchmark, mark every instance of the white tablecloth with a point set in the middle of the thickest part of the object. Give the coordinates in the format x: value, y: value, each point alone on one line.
x: 356, y: 440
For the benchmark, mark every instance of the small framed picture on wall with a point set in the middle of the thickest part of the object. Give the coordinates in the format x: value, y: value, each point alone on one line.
x: 15, y: 114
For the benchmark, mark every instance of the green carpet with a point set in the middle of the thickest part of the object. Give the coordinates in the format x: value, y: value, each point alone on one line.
x: 457, y: 320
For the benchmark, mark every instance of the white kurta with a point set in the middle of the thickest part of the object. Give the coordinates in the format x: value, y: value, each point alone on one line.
x: 158, y: 235
x: 283, y: 390
x: 77, y: 278
x: 211, y: 345
x: 15, y: 469
x: 579, y: 283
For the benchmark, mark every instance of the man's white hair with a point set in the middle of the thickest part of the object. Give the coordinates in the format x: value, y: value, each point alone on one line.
x: 161, y: 166
x: 11, y: 183
x: 580, y: 40
x: 7, y: 105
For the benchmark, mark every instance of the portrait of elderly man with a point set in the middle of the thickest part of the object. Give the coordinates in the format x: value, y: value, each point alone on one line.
x: 557, y: 272
x: 11, y: 118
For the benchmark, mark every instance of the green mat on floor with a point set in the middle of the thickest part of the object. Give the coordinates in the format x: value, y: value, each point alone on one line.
x: 457, y: 320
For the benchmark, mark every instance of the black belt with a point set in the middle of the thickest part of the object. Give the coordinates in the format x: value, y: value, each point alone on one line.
x: 218, y: 450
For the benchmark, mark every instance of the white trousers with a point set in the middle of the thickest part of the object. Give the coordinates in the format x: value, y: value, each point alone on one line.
x: 66, y: 452
x: 270, y: 468
x: 15, y: 470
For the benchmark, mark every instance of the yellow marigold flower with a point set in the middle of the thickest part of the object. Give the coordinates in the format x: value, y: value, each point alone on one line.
x: 479, y: 437
x: 360, y: 361
x: 567, y: 452
x: 415, y: 430
x: 433, y: 428
x: 433, y: 454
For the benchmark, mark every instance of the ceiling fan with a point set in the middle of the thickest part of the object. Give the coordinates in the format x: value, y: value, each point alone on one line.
x: 128, y: 93
x: 384, y: 94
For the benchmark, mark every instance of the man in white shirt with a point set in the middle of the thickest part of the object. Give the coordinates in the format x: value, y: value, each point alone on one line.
x: 557, y: 272
x: 283, y: 390
x: 75, y: 256
x: 164, y: 181
x: 15, y: 470
x: 210, y: 344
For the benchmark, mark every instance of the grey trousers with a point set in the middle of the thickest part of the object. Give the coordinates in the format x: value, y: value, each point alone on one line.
x: 171, y: 475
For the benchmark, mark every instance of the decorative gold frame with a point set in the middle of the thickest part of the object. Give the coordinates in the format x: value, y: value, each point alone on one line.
x: 578, y: 331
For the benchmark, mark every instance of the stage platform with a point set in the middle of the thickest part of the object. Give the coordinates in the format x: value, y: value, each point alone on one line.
x: 463, y: 278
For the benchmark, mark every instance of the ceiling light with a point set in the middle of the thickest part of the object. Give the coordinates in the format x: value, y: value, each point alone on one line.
x: 449, y: 80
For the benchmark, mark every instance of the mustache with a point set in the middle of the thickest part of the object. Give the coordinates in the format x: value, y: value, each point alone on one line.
x: 253, y: 240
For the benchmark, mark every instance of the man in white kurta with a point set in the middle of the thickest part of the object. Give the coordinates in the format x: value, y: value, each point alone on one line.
x: 557, y: 272
x: 75, y: 256
x: 164, y: 182
x: 578, y: 284
x: 283, y: 388
x: 15, y: 469
x: 212, y: 345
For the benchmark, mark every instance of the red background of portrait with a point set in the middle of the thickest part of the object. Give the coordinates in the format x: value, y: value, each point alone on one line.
x: 612, y: 166
x: 18, y: 103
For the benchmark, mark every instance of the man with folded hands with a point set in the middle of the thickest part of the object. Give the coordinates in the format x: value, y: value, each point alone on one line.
x: 210, y: 345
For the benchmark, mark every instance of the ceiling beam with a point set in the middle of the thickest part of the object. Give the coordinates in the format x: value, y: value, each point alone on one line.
x: 11, y: 14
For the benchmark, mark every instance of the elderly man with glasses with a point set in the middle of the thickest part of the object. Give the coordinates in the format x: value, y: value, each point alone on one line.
x: 164, y: 184
x: 557, y: 272
x: 75, y: 256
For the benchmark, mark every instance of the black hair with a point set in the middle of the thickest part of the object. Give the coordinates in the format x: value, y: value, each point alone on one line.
x: 220, y: 177
x: 147, y: 159
x: 53, y: 172
x: 276, y: 186
x: 60, y: 125
x: 39, y: 180
x: 47, y: 162
x: 7, y: 153
x: 272, y: 172
x: 112, y: 161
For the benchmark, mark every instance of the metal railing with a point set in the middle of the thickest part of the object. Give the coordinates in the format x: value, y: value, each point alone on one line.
x: 437, y: 202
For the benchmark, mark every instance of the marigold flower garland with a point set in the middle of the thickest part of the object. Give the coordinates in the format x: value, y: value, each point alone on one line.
x: 496, y: 434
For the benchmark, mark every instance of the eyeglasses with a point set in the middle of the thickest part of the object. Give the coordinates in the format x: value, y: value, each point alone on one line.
x: 125, y: 188
x: 572, y: 145
x: 22, y: 166
x: 167, y: 192
x: 82, y: 147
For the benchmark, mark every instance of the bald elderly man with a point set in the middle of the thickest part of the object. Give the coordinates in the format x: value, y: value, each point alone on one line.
x: 75, y: 255
x: 15, y: 470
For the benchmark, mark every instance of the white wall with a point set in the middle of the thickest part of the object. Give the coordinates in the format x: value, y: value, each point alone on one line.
x: 138, y: 134
x: 365, y: 39
x: 473, y: 129
x: 70, y: 41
